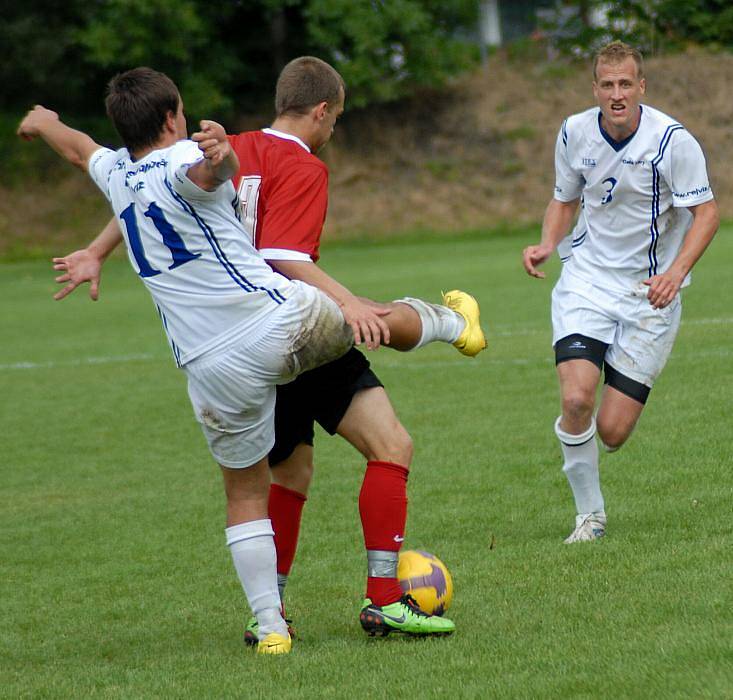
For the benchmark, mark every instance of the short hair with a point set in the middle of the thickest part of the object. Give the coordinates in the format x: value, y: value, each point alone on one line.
x: 304, y: 83
x: 616, y: 52
x: 138, y: 102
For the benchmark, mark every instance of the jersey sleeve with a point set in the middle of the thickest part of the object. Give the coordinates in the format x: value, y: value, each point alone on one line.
x: 568, y: 182
x: 294, y: 215
x: 101, y: 164
x: 181, y: 158
x: 686, y: 172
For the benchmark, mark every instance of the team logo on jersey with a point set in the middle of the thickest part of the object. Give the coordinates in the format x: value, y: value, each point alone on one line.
x: 692, y: 193
x: 590, y: 162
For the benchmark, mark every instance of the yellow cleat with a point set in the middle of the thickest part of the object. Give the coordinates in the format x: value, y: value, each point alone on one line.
x: 274, y: 643
x: 472, y: 341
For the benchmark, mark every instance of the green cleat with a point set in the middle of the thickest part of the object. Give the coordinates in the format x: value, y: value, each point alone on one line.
x: 472, y: 340
x: 250, y: 631
x: 252, y: 628
x: 403, y: 616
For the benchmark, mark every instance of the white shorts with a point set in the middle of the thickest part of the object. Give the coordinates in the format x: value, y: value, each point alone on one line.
x: 639, y: 337
x: 233, y: 390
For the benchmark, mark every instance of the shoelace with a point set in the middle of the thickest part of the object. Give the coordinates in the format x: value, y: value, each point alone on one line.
x: 411, y: 603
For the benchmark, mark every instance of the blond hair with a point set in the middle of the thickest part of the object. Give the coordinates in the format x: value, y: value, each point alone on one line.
x: 617, y: 52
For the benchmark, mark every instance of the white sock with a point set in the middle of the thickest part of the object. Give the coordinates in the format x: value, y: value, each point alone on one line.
x: 581, y: 468
x: 438, y: 322
x: 253, y: 551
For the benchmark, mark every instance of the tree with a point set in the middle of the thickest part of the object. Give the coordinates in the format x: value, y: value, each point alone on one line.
x: 226, y: 56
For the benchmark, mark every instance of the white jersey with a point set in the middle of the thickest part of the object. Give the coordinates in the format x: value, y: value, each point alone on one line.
x: 634, y: 195
x: 209, y: 284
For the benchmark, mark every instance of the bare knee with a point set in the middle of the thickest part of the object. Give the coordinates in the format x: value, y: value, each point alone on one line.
x: 613, y: 435
x: 577, y: 410
x: 296, y: 471
x: 391, y: 445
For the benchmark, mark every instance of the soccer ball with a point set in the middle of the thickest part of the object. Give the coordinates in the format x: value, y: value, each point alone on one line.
x: 426, y: 579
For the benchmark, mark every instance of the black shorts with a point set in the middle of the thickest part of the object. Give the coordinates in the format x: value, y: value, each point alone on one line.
x: 323, y: 395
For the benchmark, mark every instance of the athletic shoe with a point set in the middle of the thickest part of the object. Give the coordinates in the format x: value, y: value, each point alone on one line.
x: 472, y: 340
x: 275, y: 643
x: 588, y: 527
x: 252, y: 628
x: 403, y: 616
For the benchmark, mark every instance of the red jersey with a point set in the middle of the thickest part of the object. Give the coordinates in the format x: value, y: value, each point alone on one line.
x: 283, y: 193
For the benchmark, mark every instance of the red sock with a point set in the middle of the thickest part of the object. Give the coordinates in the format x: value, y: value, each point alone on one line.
x: 286, y: 508
x: 383, y: 510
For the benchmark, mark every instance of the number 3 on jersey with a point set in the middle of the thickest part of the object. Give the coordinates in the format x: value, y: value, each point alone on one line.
x: 610, y: 182
x: 171, y: 239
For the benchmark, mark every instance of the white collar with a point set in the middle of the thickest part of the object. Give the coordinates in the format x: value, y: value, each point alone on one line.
x: 287, y: 137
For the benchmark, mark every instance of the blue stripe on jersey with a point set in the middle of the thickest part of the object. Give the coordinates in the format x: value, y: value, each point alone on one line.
x: 174, y: 347
x: 579, y: 240
x: 565, y: 132
x: 653, y: 229
x: 235, y: 274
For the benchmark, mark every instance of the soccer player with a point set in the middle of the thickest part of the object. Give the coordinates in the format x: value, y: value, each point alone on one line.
x: 283, y: 195
x: 647, y: 215
x: 235, y: 326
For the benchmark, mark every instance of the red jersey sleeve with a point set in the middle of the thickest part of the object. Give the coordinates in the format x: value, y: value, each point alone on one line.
x: 295, y: 211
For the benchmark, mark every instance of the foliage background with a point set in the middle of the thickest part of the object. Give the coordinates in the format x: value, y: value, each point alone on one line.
x: 226, y: 55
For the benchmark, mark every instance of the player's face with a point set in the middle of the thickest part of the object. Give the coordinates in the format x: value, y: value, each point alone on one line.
x: 618, y: 91
x: 332, y: 113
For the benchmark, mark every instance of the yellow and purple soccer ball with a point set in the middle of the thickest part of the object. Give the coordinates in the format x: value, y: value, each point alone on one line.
x: 426, y: 579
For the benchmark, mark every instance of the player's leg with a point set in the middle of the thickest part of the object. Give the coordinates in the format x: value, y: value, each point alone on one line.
x: 617, y: 416
x: 576, y: 429
x: 233, y: 395
x: 295, y: 472
x: 291, y: 479
x: 583, y: 325
x: 249, y: 536
x: 633, y: 362
x: 414, y: 323
x: 291, y: 470
x: 371, y: 425
x: 291, y: 464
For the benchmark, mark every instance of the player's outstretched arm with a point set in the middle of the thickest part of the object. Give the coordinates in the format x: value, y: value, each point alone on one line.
x: 664, y: 287
x: 220, y: 161
x: 365, y: 320
x: 75, y: 146
x: 555, y: 226
x: 86, y: 265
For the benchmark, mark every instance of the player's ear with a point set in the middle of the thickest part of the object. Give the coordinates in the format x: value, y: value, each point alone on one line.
x: 320, y: 110
x: 170, y: 121
x: 642, y: 85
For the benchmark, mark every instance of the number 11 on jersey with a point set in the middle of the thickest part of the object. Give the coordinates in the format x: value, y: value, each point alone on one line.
x: 171, y: 239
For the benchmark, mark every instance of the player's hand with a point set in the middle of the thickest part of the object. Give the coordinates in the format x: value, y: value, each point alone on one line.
x: 663, y: 288
x: 534, y: 255
x: 31, y: 125
x: 367, y: 323
x: 213, y: 142
x: 78, y: 267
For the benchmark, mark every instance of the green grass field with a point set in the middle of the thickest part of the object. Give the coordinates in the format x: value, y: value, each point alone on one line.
x: 115, y: 581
